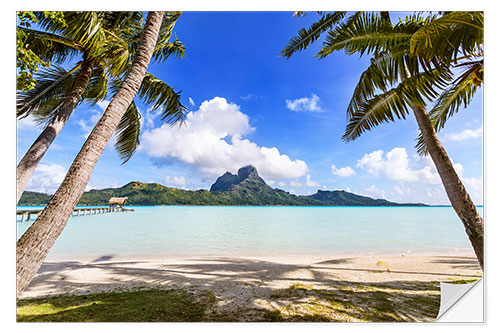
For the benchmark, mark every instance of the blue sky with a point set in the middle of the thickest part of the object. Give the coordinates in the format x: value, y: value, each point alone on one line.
x: 249, y: 105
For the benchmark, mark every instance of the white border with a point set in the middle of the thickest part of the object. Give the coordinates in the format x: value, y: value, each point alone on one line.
x: 491, y: 151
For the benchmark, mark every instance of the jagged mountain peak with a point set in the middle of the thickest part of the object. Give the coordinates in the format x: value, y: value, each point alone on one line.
x: 228, y: 180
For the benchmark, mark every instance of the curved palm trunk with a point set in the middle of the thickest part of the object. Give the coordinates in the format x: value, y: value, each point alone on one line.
x: 34, y: 245
x: 27, y: 165
x: 457, y: 194
x: 455, y: 190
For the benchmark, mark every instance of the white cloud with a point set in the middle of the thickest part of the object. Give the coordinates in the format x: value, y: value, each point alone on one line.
x: 311, y: 183
x: 271, y: 182
x: 402, y: 190
x: 211, y: 140
x: 395, y: 166
x: 374, y: 191
x: 27, y: 124
x: 103, y: 105
x: 87, y: 125
x: 295, y: 183
x: 191, y: 101
x: 343, y: 172
x: 282, y: 184
x: 304, y: 104
x: 178, y: 181
x: 464, y: 135
x: 415, y: 184
x: 148, y: 117
x: 250, y: 97
x: 46, y: 178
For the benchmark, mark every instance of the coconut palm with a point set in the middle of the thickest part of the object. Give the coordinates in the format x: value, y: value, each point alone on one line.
x: 33, y: 246
x: 409, y: 68
x: 106, y: 41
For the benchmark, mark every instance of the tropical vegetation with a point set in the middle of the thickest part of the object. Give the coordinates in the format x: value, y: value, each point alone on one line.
x: 35, y: 243
x: 106, y: 43
x: 424, y: 58
x: 247, y: 193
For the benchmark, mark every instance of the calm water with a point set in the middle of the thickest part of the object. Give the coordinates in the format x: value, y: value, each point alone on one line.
x: 169, y: 231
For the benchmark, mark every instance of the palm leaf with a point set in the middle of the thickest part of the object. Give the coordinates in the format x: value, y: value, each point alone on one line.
x: 127, y: 133
x: 53, y: 84
x: 113, y: 53
x: 156, y: 92
x: 164, y: 48
x: 82, y: 27
x: 449, y: 36
x: 97, y: 89
x: 381, y: 108
x: 308, y: 36
x: 51, y: 47
x: 368, y: 33
x: 379, y: 76
x: 457, y: 95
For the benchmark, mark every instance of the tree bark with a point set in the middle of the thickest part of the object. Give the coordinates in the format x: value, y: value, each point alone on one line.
x: 455, y: 190
x: 28, y: 163
x: 34, y: 245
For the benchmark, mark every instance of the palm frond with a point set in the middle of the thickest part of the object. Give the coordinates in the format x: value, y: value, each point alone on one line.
x: 308, y: 36
x: 449, y: 36
x: 121, y: 21
x: 156, y: 92
x: 420, y: 146
x: 82, y: 27
x: 381, y: 108
x: 97, y: 88
x: 304, y: 13
x: 393, y: 104
x: 164, y: 48
x: 113, y: 53
x: 459, y: 94
x: 53, y: 84
x: 127, y: 133
x: 368, y: 33
x: 429, y: 84
x: 51, y: 47
x: 382, y: 74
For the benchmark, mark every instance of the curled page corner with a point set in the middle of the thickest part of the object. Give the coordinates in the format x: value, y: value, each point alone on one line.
x: 461, y: 302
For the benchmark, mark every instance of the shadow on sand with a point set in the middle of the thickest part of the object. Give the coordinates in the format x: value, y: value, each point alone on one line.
x: 256, y: 290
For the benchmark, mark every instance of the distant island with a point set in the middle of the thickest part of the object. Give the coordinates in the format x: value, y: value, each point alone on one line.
x: 246, y: 188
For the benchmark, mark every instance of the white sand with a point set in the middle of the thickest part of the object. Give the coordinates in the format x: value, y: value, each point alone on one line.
x: 253, y: 275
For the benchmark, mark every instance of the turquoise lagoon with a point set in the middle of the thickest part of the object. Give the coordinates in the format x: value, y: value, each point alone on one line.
x: 193, y: 231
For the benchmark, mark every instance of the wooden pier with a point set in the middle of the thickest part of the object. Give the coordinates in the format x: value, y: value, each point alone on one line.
x: 26, y: 214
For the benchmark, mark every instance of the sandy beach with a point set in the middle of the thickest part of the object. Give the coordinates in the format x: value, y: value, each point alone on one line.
x: 288, y: 285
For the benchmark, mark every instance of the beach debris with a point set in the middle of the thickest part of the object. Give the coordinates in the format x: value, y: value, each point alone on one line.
x: 380, y: 263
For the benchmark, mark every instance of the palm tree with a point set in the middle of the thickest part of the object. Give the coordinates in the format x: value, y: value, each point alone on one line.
x: 34, y: 245
x: 107, y: 42
x: 406, y: 71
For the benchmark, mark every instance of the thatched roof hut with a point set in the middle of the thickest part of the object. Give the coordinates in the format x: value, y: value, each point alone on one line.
x: 117, y: 201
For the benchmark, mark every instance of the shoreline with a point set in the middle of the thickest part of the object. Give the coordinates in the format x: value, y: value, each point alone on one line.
x: 58, y: 258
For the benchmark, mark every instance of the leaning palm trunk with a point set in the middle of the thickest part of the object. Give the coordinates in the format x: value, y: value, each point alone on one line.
x: 34, y: 245
x: 28, y: 163
x: 457, y: 194
x: 455, y: 190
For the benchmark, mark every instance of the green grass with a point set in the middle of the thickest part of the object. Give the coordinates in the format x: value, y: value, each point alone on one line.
x: 136, y: 306
x: 297, y: 303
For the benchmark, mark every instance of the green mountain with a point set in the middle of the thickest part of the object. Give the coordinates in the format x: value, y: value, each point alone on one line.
x: 244, y: 189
